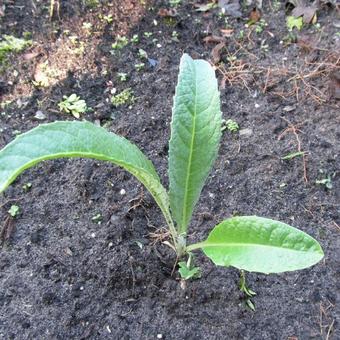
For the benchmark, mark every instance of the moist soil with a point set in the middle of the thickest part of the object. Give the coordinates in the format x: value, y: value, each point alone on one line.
x: 65, y: 275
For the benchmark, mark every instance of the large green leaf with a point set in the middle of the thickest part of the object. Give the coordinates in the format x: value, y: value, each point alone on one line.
x: 195, y: 136
x: 261, y: 245
x: 79, y: 139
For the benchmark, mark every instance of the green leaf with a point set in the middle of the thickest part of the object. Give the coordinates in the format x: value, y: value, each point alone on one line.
x: 79, y: 139
x: 293, y: 155
x: 260, y: 245
x: 188, y: 273
x: 195, y: 136
x: 292, y: 22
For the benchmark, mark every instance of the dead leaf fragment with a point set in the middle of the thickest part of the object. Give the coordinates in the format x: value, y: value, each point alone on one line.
x: 216, y: 53
x: 305, y: 10
x: 213, y: 39
x: 29, y: 56
x: 165, y: 12
x: 254, y: 16
x: 227, y: 32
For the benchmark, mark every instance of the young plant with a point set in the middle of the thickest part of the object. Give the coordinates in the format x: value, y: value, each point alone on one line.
x: 229, y: 125
x: 246, y: 242
x: 124, y: 97
x: 10, y: 44
x: 73, y: 104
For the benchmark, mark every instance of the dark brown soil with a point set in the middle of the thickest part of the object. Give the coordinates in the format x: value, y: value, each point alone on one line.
x: 63, y: 276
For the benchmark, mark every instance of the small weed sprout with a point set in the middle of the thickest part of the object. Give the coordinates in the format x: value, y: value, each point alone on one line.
x: 27, y: 187
x: 120, y: 42
x: 91, y: 3
x: 142, y: 54
x: 134, y: 39
x: 326, y: 180
x: 229, y: 125
x: 260, y: 26
x: 293, y: 22
x: 124, y: 97
x: 175, y: 3
x: 148, y: 34
x: 14, y: 210
x: 12, y: 44
x: 187, y: 270
x: 87, y: 26
x: 108, y: 18
x: 122, y: 76
x: 139, y: 67
x: 175, y: 36
x: 73, y: 104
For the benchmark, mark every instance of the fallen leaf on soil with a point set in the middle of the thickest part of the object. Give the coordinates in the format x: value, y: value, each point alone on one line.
x: 29, y: 56
x: 304, y: 10
x: 164, y: 12
x: 227, y: 32
x: 254, y: 16
x: 231, y: 7
x: 334, y: 86
x: 213, y: 39
x: 216, y: 53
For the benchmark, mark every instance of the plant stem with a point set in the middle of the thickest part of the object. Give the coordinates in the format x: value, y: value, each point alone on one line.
x: 195, y: 246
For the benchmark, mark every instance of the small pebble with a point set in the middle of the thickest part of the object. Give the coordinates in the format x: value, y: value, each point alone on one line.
x: 40, y: 115
x: 122, y: 192
x: 93, y: 235
x: 159, y: 336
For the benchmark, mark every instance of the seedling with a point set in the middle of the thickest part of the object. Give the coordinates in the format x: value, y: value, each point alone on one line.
x: 139, y: 67
x: 87, y: 26
x: 175, y: 36
x: 27, y: 186
x: 229, y: 125
x: 142, y: 54
x: 293, y: 22
x: 147, y: 34
x: 293, y: 155
x: 91, y: 3
x: 97, y: 218
x: 246, y: 242
x: 108, y: 18
x: 187, y: 270
x: 326, y: 180
x: 134, y: 39
x: 12, y: 44
x: 124, y: 97
x: 122, y: 76
x: 174, y: 3
x: 120, y: 42
x: 14, y: 210
x: 247, y: 292
x: 260, y: 26
x: 73, y: 104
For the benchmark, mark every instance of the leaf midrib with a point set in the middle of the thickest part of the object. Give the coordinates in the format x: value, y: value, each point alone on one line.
x: 229, y: 245
x: 184, y: 217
